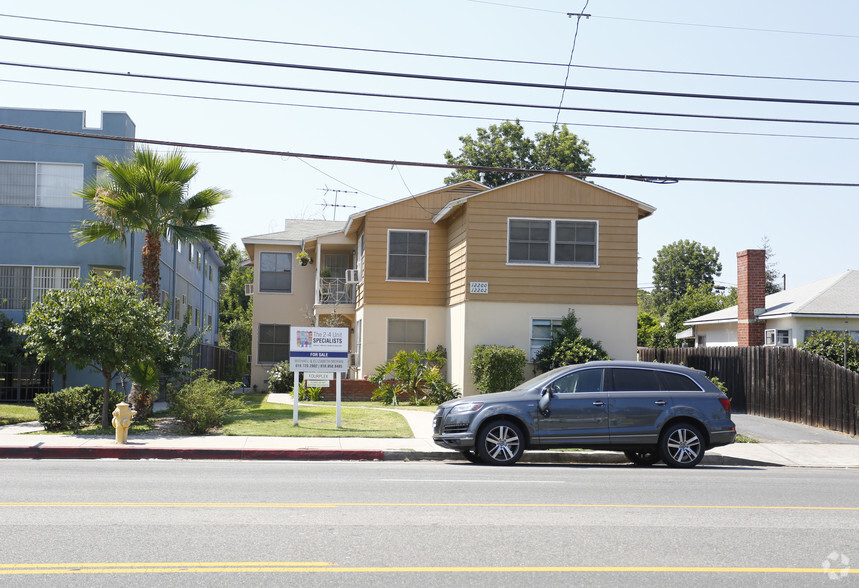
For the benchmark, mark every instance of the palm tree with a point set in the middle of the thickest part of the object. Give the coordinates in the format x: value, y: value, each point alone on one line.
x: 148, y: 193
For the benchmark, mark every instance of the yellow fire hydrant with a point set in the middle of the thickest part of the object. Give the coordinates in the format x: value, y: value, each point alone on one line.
x: 121, y: 421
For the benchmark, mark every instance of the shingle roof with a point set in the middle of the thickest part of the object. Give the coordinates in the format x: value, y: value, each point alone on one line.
x: 296, y: 230
x: 836, y: 295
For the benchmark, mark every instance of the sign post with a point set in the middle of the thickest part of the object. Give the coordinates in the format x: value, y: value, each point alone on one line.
x: 318, y: 349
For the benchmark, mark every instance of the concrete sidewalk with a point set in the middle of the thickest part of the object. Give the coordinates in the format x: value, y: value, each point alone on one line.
x: 810, y: 447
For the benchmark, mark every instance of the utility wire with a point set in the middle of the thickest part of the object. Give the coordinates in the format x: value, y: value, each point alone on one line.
x: 437, y: 55
x: 572, y: 52
x: 429, y: 114
x: 393, y: 162
x: 427, y: 98
x: 415, y: 76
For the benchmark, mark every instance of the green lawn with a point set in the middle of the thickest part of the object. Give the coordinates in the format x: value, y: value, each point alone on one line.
x: 319, y: 419
x: 17, y: 413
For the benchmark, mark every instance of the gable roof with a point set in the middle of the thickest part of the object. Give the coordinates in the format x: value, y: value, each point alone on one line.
x: 644, y: 210
x: 297, y: 230
x: 834, y: 297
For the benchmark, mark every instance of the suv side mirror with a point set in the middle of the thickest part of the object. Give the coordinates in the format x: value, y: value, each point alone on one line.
x: 545, y: 400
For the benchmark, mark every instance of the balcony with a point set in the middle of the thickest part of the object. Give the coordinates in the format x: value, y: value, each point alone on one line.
x: 333, y: 291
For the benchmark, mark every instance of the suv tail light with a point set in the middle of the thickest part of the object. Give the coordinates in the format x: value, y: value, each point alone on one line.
x: 726, y: 404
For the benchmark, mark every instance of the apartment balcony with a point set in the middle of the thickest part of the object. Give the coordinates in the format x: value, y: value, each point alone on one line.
x: 336, y: 292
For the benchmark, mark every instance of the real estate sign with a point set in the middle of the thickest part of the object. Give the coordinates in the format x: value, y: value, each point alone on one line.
x: 318, y: 349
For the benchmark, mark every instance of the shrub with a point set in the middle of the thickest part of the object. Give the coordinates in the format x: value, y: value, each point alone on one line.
x: 309, y: 393
x: 568, y: 347
x: 280, y: 378
x: 410, y: 374
x: 833, y: 346
x: 203, y: 403
x: 71, y: 409
x: 497, y: 368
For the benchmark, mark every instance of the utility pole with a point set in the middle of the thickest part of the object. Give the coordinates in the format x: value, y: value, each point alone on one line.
x: 335, y: 206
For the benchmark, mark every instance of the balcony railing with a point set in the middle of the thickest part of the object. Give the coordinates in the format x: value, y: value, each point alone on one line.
x: 336, y: 291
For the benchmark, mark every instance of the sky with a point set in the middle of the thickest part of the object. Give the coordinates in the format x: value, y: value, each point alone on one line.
x: 811, y: 229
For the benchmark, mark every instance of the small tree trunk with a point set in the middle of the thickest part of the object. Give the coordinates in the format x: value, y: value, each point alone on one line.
x: 152, y: 266
x: 105, y: 403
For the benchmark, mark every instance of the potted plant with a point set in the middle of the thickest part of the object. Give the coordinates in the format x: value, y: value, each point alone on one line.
x: 304, y: 258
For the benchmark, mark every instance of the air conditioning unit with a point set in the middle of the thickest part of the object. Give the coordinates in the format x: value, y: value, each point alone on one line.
x: 351, y: 276
x: 249, y: 289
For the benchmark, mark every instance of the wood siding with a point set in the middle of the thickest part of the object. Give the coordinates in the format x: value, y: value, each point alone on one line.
x: 613, y: 281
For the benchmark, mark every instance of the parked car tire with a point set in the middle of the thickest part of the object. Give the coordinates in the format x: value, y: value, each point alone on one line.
x: 682, y: 446
x: 643, y: 458
x: 471, y: 456
x: 500, y: 443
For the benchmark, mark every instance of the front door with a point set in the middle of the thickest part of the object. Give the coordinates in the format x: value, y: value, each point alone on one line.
x: 578, y: 411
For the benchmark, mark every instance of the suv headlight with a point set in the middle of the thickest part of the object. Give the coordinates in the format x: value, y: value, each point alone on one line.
x: 466, y: 407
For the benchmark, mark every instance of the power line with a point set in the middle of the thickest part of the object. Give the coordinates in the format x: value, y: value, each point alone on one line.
x: 428, y: 98
x: 668, y: 22
x: 393, y: 162
x: 432, y: 114
x: 437, y: 55
x: 572, y: 52
x: 428, y: 77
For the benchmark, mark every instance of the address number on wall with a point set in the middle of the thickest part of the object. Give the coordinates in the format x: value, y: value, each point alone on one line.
x: 479, y: 288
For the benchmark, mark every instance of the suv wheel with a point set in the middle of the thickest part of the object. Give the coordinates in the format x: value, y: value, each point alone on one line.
x: 642, y: 458
x: 500, y: 443
x: 682, y: 446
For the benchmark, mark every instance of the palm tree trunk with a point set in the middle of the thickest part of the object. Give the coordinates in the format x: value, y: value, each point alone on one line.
x: 152, y: 266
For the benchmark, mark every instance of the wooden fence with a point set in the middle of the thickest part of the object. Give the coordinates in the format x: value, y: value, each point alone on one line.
x: 776, y: 382
x: 220, y: 360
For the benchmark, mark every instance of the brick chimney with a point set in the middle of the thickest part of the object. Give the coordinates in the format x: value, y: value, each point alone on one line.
x: 751, y: 294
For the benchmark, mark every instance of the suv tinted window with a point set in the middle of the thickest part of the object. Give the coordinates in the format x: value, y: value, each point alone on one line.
x: 580, y: 381
x: 678, y: 382
x: 632, y: 380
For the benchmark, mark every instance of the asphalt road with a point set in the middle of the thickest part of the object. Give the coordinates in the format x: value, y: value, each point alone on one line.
x: 171, y: 523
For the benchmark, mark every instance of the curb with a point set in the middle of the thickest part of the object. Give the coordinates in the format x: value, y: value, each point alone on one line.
x: 530, y: 457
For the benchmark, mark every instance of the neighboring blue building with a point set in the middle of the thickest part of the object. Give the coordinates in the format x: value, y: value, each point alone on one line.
x: 39, y: 174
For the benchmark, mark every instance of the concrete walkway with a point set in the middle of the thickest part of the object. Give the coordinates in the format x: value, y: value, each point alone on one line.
x: 787, y: 444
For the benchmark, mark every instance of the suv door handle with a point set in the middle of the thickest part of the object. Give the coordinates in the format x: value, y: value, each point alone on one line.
x: 660, y: 403
x: 599, y: 403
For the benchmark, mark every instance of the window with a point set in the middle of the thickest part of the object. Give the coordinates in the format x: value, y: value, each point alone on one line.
x: 198, y: 259
x: 632, y: 380
x: 177, y: 312
x: 273, y: 345
x: 358, y: 326
x: 190, y: 252
x: 197, y: 317
x: 580, y: 381
x: 552, y: 242
x: 275, y: 272
x: 407, y: 255
x: 49, y: 185
x: 777, y: 337
x: 210, y: 272
x: 22, y: 285
x: 677, y: 382
x: 209, y: 321
x: 406, y: 335
x: 541, y: 334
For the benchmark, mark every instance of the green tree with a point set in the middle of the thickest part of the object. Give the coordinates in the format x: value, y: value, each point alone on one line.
x: 11, y: 344
x: 772, y: 275
x: 148, y: 193
x: 568, y: 346
x: 102, y: 323
x: 506, y: 146
x: 696, y: 301
x: 236, y: 308
x: 838, y: 347
x: 679, y: 265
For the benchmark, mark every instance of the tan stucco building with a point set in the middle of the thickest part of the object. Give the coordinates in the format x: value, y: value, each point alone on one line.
x: 456, y: 267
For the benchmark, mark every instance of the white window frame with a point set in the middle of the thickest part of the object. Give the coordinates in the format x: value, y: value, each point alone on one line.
x: 553, y: 243
x: 53, y: 199
x: 274, y: 343
x: 388, y: 276
x: 388, y: 334
x: 777, y: 337
x: 554, y: 322
x: 291, y: 270
x: 37, y: 286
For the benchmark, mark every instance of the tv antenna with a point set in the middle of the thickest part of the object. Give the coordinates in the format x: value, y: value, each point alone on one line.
x: 335, y: 206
